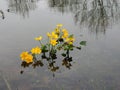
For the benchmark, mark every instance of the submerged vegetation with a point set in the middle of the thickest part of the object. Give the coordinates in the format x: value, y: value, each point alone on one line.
x: 58, y: 40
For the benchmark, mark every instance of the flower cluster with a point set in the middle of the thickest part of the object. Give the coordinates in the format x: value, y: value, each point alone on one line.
x: 25, y: 56
x: 36, y: 50
x: 58, y: 39
x: 60, y: 34
x: 28, y: 56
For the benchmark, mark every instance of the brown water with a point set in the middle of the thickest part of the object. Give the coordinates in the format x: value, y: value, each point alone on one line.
x: 95, y: 67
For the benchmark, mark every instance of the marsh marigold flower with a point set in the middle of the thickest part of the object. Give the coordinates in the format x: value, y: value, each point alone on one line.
x: 70, y: 40
x: 38, y: 38
x: 64, y: 31
x: 65, y: 34
x: 53, y: 42
x: 57, y: 31
x: 59, y: 25
x: 23, y: 55
x: 36, y: 50
x: 48, y: 34
x: 29, y: 58
x: 54, y: 35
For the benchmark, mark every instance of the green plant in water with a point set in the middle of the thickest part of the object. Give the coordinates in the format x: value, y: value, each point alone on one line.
x: 59, y: 39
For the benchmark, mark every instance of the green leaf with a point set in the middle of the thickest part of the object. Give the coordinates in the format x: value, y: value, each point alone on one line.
x: 79, y: 48
x: 66, y: 47
x: 70, y: 47
x: 70, y: 36
x: 63, y: 54
x: 83, y: 43
x: 44, y: 48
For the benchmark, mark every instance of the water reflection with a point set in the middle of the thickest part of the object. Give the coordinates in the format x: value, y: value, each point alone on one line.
x: 51, y: 62
x: 22, y: 7
x: 96, y: 14
x: 2, y: 14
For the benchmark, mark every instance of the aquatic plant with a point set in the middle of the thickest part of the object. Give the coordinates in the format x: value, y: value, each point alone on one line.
x: 58, y: 40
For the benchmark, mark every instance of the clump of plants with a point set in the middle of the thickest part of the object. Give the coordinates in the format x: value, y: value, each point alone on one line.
x: 58, y: 40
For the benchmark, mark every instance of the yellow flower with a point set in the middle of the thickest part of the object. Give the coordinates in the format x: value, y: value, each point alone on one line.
x: 38, y: 38
x: 29, y: 58
x: 70, y: 43
x: 23, y: 55
x: 64, y: 31
x: 53, y: 42
x: 57, y: 31
x: 70, y: 40
x: 36, y: 50
x: 65, y: 35
x: 59, y: 25
x: 54, y: 35
x: 48, y: 34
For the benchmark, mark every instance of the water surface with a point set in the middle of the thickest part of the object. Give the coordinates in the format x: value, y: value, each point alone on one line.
x: 95, y: 67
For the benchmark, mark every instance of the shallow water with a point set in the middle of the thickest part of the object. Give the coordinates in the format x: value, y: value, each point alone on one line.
x: 95, y: 67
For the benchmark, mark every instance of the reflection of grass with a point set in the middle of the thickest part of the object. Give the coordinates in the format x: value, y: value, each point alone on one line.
x: 58, y: 40
x: 96, y: 14
x: 22, y: 7
x: 2, y: 14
